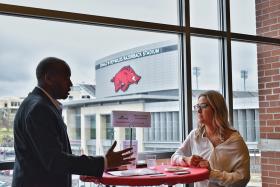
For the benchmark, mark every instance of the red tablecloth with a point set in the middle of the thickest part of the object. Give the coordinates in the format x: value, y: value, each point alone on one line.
x: 197, y: 174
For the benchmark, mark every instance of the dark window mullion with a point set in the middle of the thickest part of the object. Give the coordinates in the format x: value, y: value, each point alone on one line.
x: 255, y: 39
x: 186, y: 81
x: 186, y: 106
x: 227, y: 59
x: 55, y: 15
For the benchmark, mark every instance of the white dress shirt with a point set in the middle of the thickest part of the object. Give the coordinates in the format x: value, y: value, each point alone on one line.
x: 229, y: 161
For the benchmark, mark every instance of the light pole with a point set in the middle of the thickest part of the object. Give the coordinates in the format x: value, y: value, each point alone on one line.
x: 244, y: 76
x: 196, y: 73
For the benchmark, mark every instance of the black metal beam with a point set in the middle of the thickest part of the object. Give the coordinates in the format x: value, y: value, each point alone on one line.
x: 6, y: 165
x: 71, y: 17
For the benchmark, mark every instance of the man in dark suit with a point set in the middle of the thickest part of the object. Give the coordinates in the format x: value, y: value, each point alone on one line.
x: 43, y: 152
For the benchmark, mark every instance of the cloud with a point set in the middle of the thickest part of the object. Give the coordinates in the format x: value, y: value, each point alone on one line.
x: 25, y: 41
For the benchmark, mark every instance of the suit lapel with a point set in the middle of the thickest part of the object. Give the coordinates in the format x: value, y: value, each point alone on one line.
x: 62, y: 126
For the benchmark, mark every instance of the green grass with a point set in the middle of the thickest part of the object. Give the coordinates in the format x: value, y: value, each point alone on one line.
x: 4, y: 132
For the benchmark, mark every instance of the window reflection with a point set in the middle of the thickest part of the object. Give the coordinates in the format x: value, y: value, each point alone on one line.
x: 246, y: 100
x: 205, y: 64
x: 87, y: 110
x: 158, y: 11
x: 243, y: 16
x: 204, y: 14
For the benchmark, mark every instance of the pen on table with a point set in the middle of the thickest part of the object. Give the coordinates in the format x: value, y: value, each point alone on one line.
x: 156, y: 175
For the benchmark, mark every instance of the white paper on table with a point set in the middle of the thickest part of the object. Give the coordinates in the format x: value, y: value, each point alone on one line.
x: 135, y: 172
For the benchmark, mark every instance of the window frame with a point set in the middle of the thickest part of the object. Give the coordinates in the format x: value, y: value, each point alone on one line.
x: 183, y: 29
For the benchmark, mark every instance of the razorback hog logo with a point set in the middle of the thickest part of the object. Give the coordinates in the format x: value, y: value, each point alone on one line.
x: 125, y: 77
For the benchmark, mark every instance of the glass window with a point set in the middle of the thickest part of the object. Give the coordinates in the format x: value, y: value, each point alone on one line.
x: 255, y: 17
x: 95, y: 61
x: 165, y: 129
x: 205, y: 58
x: 159, y: 11
x: 246, y: 100
x: 243, y: 16
x: 92, y: 127
x: 101, y: 61
x: 74, y: 125
x: 109, y: 128
x: 204, y: 14
x: 130, y: 133
x: 206, y: 67
x: 244, y: 68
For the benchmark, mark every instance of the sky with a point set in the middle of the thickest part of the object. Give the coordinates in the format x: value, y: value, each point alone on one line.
x: 24, y: 42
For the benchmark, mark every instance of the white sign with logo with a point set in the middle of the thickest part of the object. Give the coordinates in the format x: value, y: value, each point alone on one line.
x: 131, y: 119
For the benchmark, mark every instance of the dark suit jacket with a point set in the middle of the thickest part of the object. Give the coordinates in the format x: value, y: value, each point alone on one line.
x: 43, y: 152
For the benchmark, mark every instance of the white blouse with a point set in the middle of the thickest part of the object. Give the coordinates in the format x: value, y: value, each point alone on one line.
x: 229, y: 161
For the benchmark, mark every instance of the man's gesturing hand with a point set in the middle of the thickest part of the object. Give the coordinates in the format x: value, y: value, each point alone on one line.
x: 118, y: 158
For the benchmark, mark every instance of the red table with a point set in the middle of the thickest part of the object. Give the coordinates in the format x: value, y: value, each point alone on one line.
x: 197, y: 174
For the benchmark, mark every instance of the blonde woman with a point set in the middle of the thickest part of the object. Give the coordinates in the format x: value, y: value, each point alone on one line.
x: 215, y: 145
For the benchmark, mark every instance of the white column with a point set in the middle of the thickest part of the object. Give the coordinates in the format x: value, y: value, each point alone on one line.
x: 146, y: 134
x: 169, y: 126
x: 175, y: 118
x: 235, y: 119
x: 251, y: 132
x: 84, y: 137
x: 157, y: 126
x: 194, y: 114
x: 242, y: 123
x: 99, y: 134
x: 257, y: 124
x: 151, y: 129
x: 140, y: 138
x: 119, y: 135
x: 69, y: 119
x: 162, y: 125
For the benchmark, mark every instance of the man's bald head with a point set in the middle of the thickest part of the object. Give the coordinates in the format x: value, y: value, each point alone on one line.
x: 51, y: 65
x: 53, y: 75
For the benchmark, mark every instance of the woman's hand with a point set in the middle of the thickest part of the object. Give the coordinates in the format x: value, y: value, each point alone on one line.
x: 204, y: 164
x: 191, y: 161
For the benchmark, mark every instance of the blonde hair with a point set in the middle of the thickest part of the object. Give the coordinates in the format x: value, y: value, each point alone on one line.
x: 220, y: 113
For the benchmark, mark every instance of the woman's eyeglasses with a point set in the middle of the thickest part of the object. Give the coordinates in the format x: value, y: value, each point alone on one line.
x: 197, y: 107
